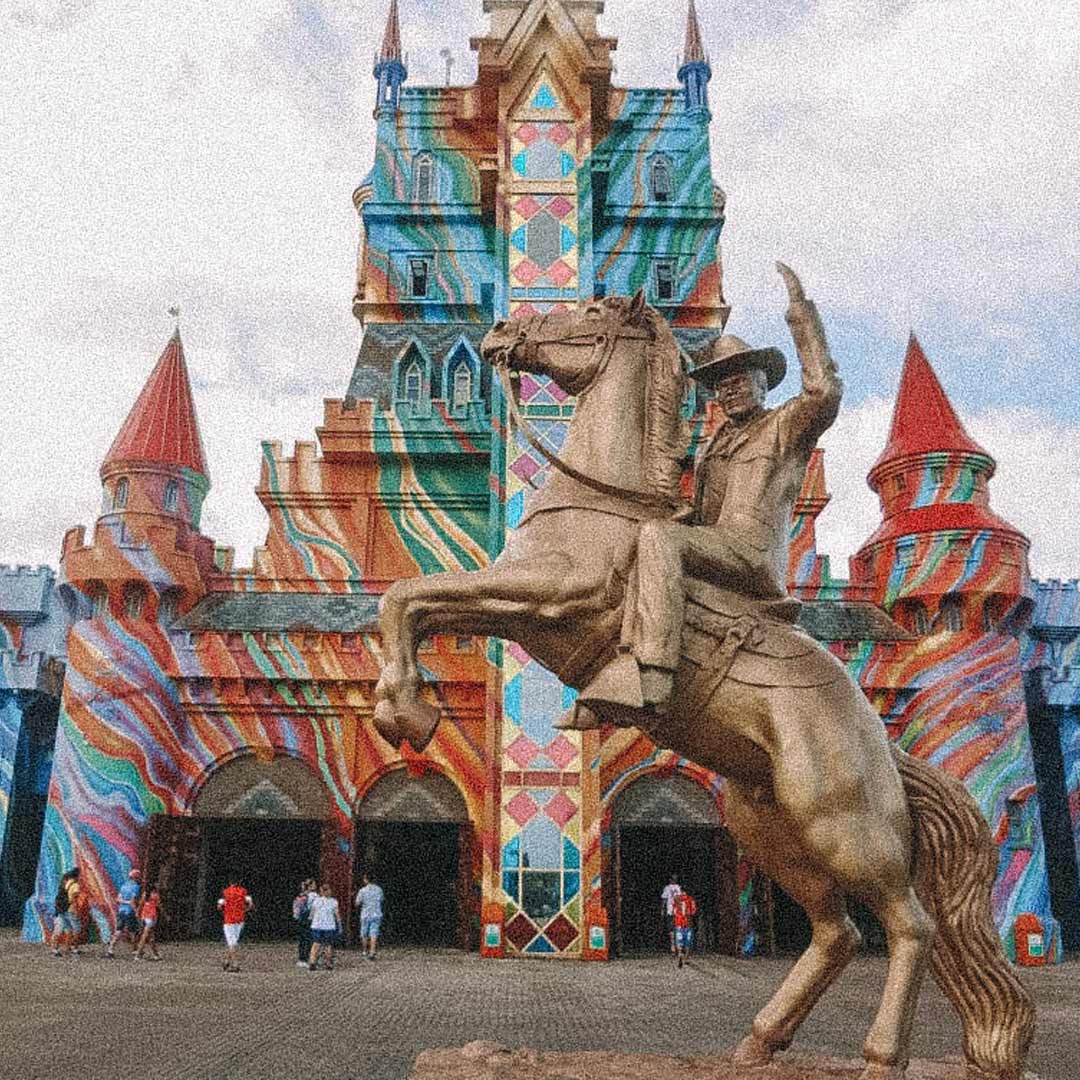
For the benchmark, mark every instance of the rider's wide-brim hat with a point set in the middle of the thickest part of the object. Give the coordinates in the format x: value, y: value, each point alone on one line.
x: 731, y: 355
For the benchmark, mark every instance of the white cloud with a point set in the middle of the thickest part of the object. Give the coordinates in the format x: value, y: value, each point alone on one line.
x: 916, y: 160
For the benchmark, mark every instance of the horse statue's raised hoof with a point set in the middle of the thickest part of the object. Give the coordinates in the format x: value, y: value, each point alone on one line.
x: 386, y: 724
x: 752, y: 1053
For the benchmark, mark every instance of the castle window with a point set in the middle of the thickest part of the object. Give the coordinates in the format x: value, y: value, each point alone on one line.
x: 462, y: 391
x: 937, y: 473
x: 168, y: 606
x: 660, y: 179
x: 418, y: 278
x: 990, y: 615
x: 134, y: 601
x: 463, y: 644
x: 952, y: 613
x: 99, y: 600
x: 1021, y: 825
x: 914, y: 616
x: 424, y: 179
x: 664, y: 280
x: 900, y: 483
x: 905, y: 554
x: 120, y: 496
x: 414, y: 383
x: 172, y: 496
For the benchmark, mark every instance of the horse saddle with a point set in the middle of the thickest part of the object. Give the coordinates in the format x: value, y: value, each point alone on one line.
x: 755, y: 642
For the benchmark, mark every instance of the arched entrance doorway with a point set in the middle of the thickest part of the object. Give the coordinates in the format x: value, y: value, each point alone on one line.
x: 260, y: 821
x: 414, y: 837
x: 663, y: 826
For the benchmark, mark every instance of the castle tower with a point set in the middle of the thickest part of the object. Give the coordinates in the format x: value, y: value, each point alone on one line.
x: 390, y: 71
x: 154, y: 480
x: 940, y: 557
x: 694, y: 71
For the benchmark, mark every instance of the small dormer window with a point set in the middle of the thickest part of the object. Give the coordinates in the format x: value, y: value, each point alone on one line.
x: 424, y: 179
x: 418, y: 278
x: 900, y: 483
x: 660, y: 179
x: 134, y: 601
x: 172, y: 496
x: 952, y: 613
x: 462, y: 388
x: 920, y: 618
x: 414, y: 383
x: 664, y: 280
x: 99, y: 601
x: 937, y: 473
x: 120, y: 495
x: 168, y: 606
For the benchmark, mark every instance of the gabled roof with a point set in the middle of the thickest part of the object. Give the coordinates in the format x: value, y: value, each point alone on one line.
x: 162, y: 427
x: 693, y: 50
x: 923, y: 419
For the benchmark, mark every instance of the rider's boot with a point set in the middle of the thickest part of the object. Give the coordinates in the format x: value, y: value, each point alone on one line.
x: 625, y: 693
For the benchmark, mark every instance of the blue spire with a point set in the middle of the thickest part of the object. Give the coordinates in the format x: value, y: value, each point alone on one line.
x: 390, y: 71
x: 694, y: 72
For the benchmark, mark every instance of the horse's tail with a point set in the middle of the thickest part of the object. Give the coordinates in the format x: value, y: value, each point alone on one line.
x: 955, y: 865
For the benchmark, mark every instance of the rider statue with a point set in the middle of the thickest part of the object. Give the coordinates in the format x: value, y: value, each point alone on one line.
x: 736, y: 534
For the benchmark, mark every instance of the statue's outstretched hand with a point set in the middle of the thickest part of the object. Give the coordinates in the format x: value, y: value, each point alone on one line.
x: 794, y: 286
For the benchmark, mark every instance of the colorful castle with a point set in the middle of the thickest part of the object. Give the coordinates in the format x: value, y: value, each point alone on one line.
x: 218, y: 719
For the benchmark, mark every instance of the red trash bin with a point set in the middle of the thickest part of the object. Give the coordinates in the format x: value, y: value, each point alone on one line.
x: 1029, y: 935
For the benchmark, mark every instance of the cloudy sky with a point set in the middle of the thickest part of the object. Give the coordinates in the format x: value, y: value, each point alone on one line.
x: 915, y: 160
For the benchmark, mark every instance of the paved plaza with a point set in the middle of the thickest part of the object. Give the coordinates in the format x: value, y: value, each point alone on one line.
x: 89, y: 1018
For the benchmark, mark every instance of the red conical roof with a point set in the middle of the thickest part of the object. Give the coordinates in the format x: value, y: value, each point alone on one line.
x: 923, y: 419
x: 161, y: 427
x: 391, y: 42
x: 693, y: 50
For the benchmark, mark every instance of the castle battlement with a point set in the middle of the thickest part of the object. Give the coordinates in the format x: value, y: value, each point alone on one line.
x: 25, y: 592
x: 39, y: 671
x: 1057, y: 603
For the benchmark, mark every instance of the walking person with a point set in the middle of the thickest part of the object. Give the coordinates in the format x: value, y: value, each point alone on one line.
x: 128, y: 927
x: 667, y: 903
x: 684, y: 910
x: 325, y: 927
x: 234, y: 904
x: 301, y: 912
x: 67, y: 926
x: 150, y: 914
x: 370, y: 902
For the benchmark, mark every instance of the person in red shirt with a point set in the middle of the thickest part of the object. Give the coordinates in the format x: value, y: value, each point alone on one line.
x: 235, y: 903
x: 149, y: 912
x: 683, y: 911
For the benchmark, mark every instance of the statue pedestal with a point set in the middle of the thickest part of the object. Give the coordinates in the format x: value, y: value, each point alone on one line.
x: 489, y: 1061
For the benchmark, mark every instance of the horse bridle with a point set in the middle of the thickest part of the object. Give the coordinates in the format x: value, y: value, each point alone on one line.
x: 604, y: 346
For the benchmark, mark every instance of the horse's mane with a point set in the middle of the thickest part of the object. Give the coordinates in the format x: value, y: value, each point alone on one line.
x: 664, y: 442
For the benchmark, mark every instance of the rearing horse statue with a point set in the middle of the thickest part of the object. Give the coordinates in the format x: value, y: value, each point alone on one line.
x: 815, y: 793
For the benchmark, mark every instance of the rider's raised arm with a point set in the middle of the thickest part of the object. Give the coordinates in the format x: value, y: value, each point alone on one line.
x: 814, y: 409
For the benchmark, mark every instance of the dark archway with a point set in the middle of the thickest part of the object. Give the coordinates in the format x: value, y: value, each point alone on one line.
x: 414, y: 837
x: 263, y: 822
x: 663, y: 826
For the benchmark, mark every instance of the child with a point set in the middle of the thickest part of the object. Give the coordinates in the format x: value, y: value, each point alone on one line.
x: 325, y: 926
x: 683, y: 911
x: 234, y: 905
x: 149, y: 912
x: 128, y: 927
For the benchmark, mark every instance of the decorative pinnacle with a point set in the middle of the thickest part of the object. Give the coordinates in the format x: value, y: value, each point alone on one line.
x: 391, y: 43
x: 693, y: 50
x: 174, y: 311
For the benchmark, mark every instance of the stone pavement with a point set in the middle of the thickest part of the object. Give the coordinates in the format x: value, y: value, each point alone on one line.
x: 185, y: 1019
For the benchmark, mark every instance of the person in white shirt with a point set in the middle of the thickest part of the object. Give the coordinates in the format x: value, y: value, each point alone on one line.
x: 667, y: 908
x: 325, y: 926
x: 370, y: 902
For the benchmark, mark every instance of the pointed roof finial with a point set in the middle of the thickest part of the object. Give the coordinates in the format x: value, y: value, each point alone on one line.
x: 391, y: 42
x: 693, y: 50
x: 923, y: 421
x: 162, y: 428
x: 174, y: 311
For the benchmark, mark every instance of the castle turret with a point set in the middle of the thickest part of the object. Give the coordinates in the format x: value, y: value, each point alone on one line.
x: 154, y: 481
x: 694, y: 71
x: 390, y: 71
x: 940, y: 554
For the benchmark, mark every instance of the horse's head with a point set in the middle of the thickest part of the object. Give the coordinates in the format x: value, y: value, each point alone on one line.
x: 571, y: 347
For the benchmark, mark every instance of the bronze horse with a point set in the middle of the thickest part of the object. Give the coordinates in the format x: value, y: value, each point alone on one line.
x: 815, y: 793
